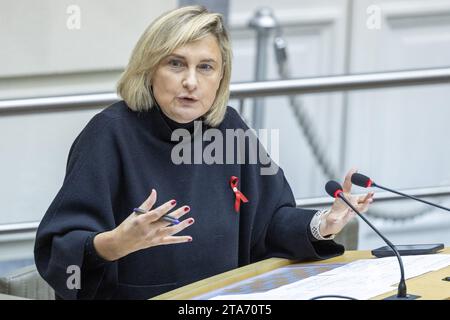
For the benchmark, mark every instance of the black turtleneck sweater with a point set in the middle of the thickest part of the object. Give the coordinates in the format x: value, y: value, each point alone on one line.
x: 173, y: 125
x: 113, y: 165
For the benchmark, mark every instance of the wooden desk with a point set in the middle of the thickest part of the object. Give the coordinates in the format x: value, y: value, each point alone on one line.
x: 429, y: 286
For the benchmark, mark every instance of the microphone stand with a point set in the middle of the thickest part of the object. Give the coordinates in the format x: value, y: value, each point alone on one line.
x: 401, y: 292
x: 408, y: 196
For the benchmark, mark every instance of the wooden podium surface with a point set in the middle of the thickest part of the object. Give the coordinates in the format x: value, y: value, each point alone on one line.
x: 429, y: 286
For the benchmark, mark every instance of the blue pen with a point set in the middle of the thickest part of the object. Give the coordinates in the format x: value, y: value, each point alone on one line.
x: 165, y: 218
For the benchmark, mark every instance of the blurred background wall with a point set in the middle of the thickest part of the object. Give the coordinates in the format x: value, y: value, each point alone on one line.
x: 398, y: 135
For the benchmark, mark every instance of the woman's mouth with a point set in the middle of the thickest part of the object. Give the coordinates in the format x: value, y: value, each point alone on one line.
x: 188, y: 100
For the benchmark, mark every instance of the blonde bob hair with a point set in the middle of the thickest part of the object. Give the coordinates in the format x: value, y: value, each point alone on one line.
x: 167, y: 33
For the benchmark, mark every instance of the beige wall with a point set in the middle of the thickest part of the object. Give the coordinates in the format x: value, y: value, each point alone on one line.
x: 41, y: 55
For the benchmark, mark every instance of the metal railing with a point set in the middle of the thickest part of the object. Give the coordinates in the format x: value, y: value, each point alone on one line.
x: 19, y: 227
x: 306, y: 203
x: 248, y: 89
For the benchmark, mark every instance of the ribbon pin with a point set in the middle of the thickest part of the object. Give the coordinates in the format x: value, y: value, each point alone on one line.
x: 239, y: 195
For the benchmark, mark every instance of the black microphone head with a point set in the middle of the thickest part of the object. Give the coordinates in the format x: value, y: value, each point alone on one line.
x: 333, y: 188
x: 361, y: 180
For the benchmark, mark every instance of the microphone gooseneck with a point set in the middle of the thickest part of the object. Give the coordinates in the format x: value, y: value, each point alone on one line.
x: 334, y: 189
x: 365, y: 182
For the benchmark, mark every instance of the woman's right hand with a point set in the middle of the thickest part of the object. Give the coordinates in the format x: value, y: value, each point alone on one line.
x: 143, y: 231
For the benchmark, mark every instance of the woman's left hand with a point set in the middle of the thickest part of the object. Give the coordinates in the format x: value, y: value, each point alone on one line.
x: 338, y: 216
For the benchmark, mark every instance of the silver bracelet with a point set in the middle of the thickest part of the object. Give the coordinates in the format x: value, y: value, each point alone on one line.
x: 315, y: 225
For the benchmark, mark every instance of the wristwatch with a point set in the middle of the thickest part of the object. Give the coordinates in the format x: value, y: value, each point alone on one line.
x: 315, y: 225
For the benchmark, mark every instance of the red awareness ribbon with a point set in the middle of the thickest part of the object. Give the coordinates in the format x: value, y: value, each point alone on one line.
x: 239, y: 195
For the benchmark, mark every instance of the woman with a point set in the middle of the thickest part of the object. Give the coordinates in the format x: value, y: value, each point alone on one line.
x: 179, y: 72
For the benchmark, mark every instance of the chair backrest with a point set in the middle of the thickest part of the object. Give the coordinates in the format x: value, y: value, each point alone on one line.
x: 26, y: 282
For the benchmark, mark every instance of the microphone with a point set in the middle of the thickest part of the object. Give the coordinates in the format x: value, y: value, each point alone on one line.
x: 365, y: 182
x: 334, y: 189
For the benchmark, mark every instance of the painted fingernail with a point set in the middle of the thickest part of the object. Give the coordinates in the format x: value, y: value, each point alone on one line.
x: 191, y: 221
x: 173, y: 202
x: 186, y: 209
x: 189, y: 240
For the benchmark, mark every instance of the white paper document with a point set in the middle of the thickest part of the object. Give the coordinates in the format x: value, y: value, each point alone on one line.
x: 361, y: 279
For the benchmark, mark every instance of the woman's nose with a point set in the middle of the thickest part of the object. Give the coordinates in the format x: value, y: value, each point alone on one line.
x: 190, y: 81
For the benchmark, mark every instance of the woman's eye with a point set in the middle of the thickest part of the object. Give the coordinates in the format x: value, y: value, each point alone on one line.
x: 175, y: 63
x: 205, y: 67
